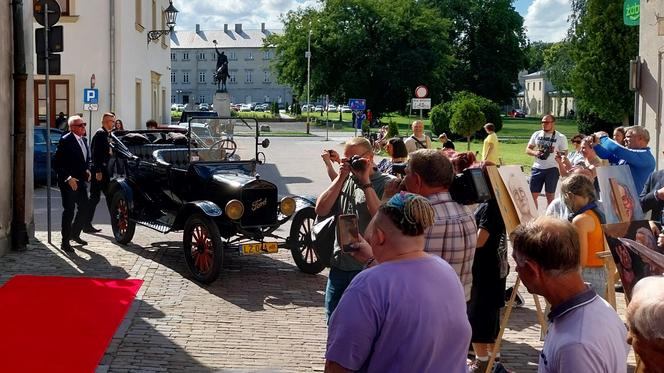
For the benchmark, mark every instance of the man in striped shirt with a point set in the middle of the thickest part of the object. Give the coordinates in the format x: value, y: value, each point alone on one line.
x: 453, y: 236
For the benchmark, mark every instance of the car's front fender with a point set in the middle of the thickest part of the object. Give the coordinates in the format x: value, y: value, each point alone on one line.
x: 122, y: 185
x: 302, y: 202
x: 207, y: 208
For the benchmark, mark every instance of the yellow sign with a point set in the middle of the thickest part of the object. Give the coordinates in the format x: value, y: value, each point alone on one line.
x: 260, y: 248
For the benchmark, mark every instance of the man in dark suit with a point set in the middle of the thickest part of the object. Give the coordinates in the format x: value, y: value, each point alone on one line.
x: 101, y: 155
x: 72, y: 164
x: 652, y: 196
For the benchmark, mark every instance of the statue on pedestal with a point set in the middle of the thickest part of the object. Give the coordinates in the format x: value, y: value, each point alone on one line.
x: 221, y: 73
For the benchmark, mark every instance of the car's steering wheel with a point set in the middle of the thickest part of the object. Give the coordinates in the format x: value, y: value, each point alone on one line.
x: 226, y: 148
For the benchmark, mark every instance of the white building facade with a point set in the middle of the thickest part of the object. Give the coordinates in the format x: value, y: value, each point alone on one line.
x: 194, y: 59
x: 649, y: 107
x: 539, y: 97
x: 108, y: 38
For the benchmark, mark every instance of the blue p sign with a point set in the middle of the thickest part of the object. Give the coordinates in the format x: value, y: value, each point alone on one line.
x: 90, y: 96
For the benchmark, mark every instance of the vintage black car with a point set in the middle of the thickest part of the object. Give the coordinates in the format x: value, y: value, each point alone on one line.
x: 174, y: 183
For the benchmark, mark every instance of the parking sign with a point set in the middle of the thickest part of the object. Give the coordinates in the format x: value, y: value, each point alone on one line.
x: 90, y: 96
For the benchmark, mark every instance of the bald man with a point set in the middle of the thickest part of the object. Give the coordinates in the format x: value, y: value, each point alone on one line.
x: 645, y: 317
x: 543, y: 146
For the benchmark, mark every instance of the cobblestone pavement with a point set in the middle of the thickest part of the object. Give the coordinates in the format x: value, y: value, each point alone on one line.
x: 262, y: 315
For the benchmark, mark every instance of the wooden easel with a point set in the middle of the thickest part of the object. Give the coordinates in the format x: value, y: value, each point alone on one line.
x: 511, y: 219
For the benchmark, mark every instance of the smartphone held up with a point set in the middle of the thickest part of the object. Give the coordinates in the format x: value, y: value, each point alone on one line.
x: 348, y: 232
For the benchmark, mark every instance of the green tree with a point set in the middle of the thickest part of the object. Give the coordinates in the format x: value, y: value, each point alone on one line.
x: 467, y: 119
x: 535, y: 54
x: 489, y: 42
x: 558, y: 65
x: 379, y: 50
x: 601, y: 49
x: 441, y: 114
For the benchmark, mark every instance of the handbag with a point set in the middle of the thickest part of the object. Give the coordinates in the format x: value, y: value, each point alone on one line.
x: 323, y: 235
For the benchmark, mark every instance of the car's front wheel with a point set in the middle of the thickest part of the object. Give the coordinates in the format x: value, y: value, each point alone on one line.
x: 123, y: 227
x: 203, y: 248
x: 302, y: 246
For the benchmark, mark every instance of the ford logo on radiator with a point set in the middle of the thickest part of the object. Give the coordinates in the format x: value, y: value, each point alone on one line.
x: 258, y: 204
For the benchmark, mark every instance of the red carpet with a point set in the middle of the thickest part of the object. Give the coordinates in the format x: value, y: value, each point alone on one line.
x: 60, y: 324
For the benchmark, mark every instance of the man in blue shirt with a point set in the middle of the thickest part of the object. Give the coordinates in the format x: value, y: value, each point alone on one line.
x: 636, y: 154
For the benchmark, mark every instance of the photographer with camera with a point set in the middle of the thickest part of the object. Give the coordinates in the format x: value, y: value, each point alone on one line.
x: 453, y: 236
x: 356, y: 189
x: 543, y: 145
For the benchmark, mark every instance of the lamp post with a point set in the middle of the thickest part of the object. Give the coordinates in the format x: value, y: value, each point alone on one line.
x: 171, y: 15
x: 308, y: 56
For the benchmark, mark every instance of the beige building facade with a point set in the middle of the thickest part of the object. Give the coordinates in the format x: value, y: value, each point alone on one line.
x: 7, y: 98
x: 108, y: 38
x: 651, y: 77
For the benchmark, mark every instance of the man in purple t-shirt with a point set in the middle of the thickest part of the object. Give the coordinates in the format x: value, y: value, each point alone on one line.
x: 392, y: 318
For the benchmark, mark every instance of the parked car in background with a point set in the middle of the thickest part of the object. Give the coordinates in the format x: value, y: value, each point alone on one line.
x: 204, y: 107
x: 180, y: 107
x: 319, y: 108
x: 39, y: 156
x: 332, y: 108
x: 245, y: 107
x: 306, y: 107
x: 517, y: 113
x: 344, y: 109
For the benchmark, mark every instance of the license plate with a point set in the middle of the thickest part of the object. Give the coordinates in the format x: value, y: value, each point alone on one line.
x: 260, y: 248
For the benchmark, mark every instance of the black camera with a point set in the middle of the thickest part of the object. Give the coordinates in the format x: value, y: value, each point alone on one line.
x: 357, y: 163
x: 545, y: 152
x: 399, y: 169
x: 470, y: 187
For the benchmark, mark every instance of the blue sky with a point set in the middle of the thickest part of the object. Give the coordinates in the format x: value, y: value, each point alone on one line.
x: 545, y: 20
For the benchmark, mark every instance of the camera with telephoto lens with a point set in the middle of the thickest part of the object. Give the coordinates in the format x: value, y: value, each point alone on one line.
x: 399, y: 169
x: 357, y: 163
x: 470, y: 187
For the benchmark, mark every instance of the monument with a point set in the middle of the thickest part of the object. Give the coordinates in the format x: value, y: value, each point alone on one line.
x: 221, y: 100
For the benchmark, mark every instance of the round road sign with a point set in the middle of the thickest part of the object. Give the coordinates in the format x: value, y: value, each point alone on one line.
x: 421, y: 91
x: 53, y: 11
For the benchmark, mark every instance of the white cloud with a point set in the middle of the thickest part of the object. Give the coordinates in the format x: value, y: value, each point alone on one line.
x: 546, y: 20
x: 213, y: 14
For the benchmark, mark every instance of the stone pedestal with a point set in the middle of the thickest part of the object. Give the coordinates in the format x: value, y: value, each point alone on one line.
x: 222, y: 104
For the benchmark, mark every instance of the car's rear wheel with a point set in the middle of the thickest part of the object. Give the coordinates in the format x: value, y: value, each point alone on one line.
x: 203, y: 248
x: 123, y: 227
x: 304, y: 254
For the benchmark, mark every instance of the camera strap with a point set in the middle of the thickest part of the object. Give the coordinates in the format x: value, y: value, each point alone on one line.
x: 422, y: 146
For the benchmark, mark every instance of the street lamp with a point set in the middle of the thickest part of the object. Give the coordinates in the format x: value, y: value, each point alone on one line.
x: 308, y: 56
x: 171, y: 15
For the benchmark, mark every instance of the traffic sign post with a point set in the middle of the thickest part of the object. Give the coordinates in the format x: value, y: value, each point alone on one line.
x: 91, y: 98
x: 47, y: 14
x: 420, y: 102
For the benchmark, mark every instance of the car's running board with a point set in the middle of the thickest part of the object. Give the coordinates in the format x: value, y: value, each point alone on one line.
x: 154, y: 224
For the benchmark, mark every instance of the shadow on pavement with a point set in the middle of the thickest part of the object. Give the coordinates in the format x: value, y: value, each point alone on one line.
x: 270, y: 172
x: 250, y: 282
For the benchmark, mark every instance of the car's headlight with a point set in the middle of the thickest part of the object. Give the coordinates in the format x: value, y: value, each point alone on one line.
x: 234, y: 209
x: 287, y: 206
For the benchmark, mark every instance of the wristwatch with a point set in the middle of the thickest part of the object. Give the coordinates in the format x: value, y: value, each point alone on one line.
x: 365, y: 186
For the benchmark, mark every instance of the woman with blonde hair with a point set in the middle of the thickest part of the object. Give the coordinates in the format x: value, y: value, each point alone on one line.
x: 578, y: 193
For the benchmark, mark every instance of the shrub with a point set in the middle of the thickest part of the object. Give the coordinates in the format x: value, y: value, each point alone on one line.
x: 588, y: 123
x: 467, y: 119
x: 392, y: 129
x: 441, y: 114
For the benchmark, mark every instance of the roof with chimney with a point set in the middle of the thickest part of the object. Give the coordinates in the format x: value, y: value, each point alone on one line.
x: 232, y: 36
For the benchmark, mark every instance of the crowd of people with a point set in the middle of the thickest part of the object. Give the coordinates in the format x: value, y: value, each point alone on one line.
x: 393, y: 304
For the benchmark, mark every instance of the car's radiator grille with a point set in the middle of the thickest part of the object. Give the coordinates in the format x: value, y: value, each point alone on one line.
x: 260, y: 206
